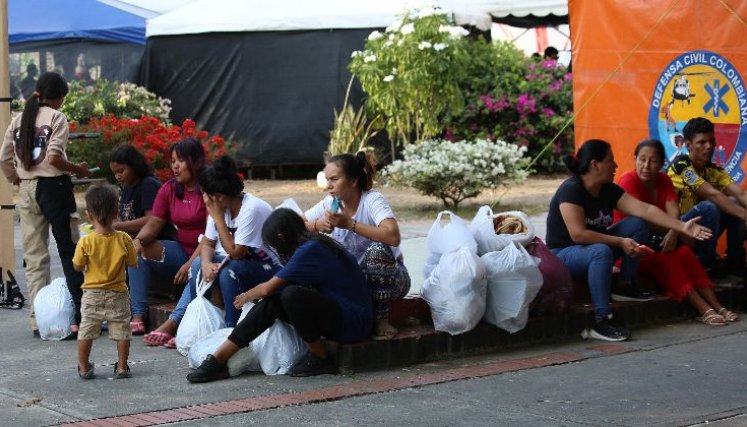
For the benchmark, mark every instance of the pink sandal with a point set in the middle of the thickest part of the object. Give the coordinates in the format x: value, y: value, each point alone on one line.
x: 170, y: 343
x: 137, y: 327
x: 157, y: 338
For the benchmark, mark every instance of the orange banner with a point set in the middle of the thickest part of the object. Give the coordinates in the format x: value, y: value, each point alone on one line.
x: 642, y: 69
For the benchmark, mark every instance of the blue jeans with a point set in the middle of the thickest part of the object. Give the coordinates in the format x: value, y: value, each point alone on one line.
x: 236, y: 276
x: 594, y: 262
x: 718, y: 221
x: 139, y: 278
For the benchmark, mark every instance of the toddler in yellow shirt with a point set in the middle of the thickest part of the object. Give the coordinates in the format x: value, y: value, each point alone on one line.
x: 104, y: 256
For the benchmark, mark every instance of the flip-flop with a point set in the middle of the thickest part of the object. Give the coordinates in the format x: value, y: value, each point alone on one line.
x: 386, y: 333
x: 157, y: 338
x: 137, y: 327
x: 170, y: 343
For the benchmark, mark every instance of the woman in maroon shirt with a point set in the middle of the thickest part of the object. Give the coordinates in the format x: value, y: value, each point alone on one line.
x: 179, y: 201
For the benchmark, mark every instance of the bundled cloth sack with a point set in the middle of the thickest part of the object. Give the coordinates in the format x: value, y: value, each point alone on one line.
x: 455, y: 291
x: 446, y: 238
x: 55, y: 311
x: 513, y: 282
x: 200, y: 319
x: 556, y: 294
x: 244, y: 360
x: 493, y: 232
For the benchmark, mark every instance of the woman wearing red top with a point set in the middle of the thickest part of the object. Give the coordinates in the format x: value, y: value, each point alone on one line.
x: 674, y: 266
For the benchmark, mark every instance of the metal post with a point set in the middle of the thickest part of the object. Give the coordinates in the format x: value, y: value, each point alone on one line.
x: 7, y: 240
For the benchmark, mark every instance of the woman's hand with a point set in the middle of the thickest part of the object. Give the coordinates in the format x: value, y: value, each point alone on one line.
x: 323, y: 224
x: 138, y: 247
x: 213, y: 209
x: 182, y: 275
x: 210, y: 270
x: 242, y: 299
x: 340, y: 220
x: 630, y: 247
x: 670, y: 241
x: 82, y: 170
x: 697, y: 231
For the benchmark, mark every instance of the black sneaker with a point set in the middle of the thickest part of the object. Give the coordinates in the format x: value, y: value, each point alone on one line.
x: 311, y: 365
x: 631, y: 293
x: 209, y: 370
x: 605, y: 331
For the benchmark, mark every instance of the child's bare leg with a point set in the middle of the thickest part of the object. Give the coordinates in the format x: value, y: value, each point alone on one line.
x: 84, y: 352
x: 123, y: 352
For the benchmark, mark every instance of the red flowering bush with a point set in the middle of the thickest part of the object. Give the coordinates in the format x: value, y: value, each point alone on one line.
x: 148, y: 134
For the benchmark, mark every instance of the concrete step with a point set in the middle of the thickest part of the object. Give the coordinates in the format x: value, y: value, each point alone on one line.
x: 418, y: 342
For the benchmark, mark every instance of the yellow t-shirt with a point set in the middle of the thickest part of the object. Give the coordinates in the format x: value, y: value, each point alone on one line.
x: 105, y: 257
x: 687, y: 180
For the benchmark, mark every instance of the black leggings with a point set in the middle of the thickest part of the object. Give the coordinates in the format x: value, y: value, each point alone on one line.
x: 56, y: 201
x: 311, y: 313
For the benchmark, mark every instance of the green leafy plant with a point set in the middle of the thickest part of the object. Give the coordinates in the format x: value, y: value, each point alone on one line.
x: 104, y: 97
x: 454, y: 171
x: 352, y: 129
x: 412, y: 73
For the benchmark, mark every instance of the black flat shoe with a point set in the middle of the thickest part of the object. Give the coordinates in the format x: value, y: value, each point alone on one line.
x: 209, y: 370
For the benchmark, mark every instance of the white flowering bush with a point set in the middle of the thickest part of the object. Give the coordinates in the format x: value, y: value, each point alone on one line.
x: 412, y: 72
x: 454, y: 171
x: 105, y: 97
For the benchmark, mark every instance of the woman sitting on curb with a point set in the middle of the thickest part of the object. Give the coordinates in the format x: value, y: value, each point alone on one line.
x: 674, y: 267
x: 364, y: 223
x: 178, y: 201
x: 233, y: 231
x: 581, y: 234
x: 320, y: 290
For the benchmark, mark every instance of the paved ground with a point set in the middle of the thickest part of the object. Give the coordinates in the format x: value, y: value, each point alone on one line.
x: 680, y: 374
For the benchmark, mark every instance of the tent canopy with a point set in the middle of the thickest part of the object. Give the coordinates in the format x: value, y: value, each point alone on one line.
x: 146, y: 8
x: 41, y: 20
x: 528, y: 13
x: 209, y: 16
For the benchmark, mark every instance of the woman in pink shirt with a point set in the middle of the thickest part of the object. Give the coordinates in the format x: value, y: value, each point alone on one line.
x: 179, y: 201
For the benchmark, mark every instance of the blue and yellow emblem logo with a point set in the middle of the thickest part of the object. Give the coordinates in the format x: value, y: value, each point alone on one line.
x: 702, y: 84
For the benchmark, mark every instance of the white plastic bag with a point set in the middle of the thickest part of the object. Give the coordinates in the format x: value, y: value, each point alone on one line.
x: 55, y: 311
x: 243, y: 361
x: 513, y: 282
x: 292, y: 205
x: 200, y: 320
x: 455, y: 291
x: 278, y: 348
x: 484, y: 232
x: 446, y: 238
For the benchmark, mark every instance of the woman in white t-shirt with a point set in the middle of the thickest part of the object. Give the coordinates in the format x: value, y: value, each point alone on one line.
x: 233, y: 231
x: 363, y: 222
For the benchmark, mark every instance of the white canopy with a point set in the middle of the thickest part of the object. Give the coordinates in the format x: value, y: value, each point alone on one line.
x: 522, y: 8
x: 205, y: 16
